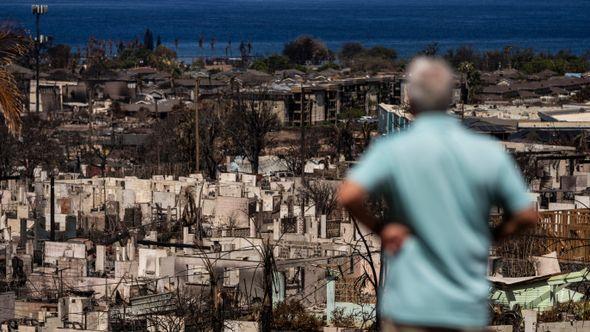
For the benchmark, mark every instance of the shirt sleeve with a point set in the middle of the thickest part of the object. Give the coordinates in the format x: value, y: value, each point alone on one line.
x: 373, y: 169
x: 510, y: 188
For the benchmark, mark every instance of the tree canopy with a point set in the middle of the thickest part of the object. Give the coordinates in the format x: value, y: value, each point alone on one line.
x: 373, y: 59
x: 307, y: 50
x: 272, y: 63
x: 523, y: 59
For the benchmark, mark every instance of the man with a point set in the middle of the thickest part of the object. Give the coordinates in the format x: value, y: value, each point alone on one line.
x: 440, y: 181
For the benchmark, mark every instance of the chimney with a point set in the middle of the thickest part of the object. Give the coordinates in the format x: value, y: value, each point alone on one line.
x: 100, y: 258
x: 323, y: 227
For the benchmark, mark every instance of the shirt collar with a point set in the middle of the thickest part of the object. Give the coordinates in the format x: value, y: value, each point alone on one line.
x: 435, y: 119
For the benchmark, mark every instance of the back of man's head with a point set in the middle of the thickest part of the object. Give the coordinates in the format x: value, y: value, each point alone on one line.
x: 430, y: 84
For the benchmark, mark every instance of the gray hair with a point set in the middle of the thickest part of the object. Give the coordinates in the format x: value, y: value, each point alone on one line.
x: 430, y: 84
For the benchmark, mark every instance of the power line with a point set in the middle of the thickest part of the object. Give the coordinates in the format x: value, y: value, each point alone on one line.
x: 227, y: 269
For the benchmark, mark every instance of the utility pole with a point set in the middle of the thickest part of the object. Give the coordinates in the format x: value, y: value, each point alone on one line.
x: 52, y: 208
x: 61, y: 282
x: 302, y: 130
x: 300, y: 225
x: 37, y: 51
x: 197, y: 134
x: 37, y: 10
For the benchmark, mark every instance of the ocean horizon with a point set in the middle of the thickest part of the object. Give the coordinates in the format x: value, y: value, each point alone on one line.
x: 407, y: 26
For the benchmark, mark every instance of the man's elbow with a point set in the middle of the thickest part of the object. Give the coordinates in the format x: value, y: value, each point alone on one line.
x: 517, y: 224
x: 529, y: 218
x: 526, y: 219
x: 350, y: 194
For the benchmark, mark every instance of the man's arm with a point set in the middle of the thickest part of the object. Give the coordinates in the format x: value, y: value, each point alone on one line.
x: 516, y: 224
x: 510, y: 192
x: 353, y: 197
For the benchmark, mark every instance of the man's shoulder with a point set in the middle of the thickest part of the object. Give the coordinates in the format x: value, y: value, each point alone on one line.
x: 410, y: 139
x: 485, y: 143
x: 398, y: 142
x: 387, y: 141
x: 486, y: 149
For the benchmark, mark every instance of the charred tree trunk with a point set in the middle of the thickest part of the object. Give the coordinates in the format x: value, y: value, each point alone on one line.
x: 216, y: 297
x: 266, y: 316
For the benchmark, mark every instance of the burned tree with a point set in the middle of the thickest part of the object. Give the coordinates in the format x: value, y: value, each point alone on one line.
x: 323, y: 195
x: 96, y: 156
x: 343, y: 138
x: 366, y: 130
x: 298, y: 153
x: 174, y: 138
x: 250, y: 122
x: 365, y: 249
x: 529, y: 166
x: 36, y: 146
x: 269, y: 266
x: 9, y: 149
x: 210, y: 129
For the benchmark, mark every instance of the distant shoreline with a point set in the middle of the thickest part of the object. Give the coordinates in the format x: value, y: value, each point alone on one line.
x: 406, y: 27
x: 403, y: 53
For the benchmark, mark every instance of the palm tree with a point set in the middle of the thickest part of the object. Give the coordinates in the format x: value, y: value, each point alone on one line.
x: 12, y: 46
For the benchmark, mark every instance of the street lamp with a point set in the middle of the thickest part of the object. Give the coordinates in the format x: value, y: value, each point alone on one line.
x: 38, y: 10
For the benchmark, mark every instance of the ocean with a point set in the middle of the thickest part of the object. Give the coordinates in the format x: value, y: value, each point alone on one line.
x: 407, y: 26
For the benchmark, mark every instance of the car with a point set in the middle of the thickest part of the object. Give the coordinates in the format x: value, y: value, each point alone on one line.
x: 367, y: 119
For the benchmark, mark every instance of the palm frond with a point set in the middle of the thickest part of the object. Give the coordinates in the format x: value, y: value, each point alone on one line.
x: 11, y: 103
x: 12, y: 46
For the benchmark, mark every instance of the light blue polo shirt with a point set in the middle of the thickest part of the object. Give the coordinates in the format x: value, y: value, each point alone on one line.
x: 440, y: 179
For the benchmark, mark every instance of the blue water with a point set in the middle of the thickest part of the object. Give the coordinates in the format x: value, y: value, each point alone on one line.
x: 546, y: 25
